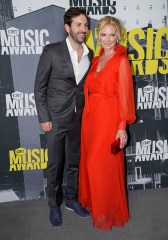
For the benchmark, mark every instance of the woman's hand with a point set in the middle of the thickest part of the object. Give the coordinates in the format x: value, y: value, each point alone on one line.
x: 122, y: 135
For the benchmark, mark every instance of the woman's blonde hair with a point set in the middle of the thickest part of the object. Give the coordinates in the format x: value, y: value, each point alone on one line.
x: 107, y: 20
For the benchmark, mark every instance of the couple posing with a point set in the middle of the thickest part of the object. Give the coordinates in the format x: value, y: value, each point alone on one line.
x: 83, y: 105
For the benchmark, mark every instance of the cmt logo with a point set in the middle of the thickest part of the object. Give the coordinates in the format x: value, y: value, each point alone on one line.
x: 20, y: 151
x: 148, y: 89
x: 146, y: 143
x: 12, y: 31
x: 17, y: 95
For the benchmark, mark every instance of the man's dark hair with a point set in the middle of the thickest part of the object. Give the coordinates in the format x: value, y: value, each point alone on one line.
x: 73, y: 12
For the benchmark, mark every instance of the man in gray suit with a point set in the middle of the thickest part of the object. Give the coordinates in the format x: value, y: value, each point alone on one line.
x: 59, y: 100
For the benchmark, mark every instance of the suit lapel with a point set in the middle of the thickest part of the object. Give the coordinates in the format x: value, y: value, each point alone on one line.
x: 67, y: 58
x: 90, y: 56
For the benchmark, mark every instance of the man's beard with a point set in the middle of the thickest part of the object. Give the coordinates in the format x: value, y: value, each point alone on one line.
x: 76, y: 38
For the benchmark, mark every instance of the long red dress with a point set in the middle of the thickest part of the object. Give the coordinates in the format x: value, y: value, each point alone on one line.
x: 109, y: 105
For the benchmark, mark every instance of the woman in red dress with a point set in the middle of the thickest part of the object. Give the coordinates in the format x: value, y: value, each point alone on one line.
x: 109, y: 106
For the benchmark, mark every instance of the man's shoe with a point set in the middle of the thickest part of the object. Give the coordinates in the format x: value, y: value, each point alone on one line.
x: 77, y: 208
x: 55, y: 216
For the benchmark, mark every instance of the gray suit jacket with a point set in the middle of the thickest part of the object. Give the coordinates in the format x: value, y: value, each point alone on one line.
x: 56, y: 91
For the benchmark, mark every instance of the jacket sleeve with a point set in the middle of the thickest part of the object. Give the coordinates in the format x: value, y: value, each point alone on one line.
x: 126, y: 95
x: 41, y: 84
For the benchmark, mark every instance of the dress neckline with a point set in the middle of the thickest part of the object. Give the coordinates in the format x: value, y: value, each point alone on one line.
x: 118, y: 49
x: 96, y: 73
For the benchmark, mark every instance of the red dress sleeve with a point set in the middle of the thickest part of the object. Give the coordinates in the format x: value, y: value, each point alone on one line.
x: 126, y: 94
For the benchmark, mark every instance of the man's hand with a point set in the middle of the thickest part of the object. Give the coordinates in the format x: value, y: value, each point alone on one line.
x: 47, y: 126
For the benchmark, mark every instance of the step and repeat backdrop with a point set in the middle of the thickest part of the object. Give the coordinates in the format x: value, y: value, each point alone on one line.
x: 25, y: 28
